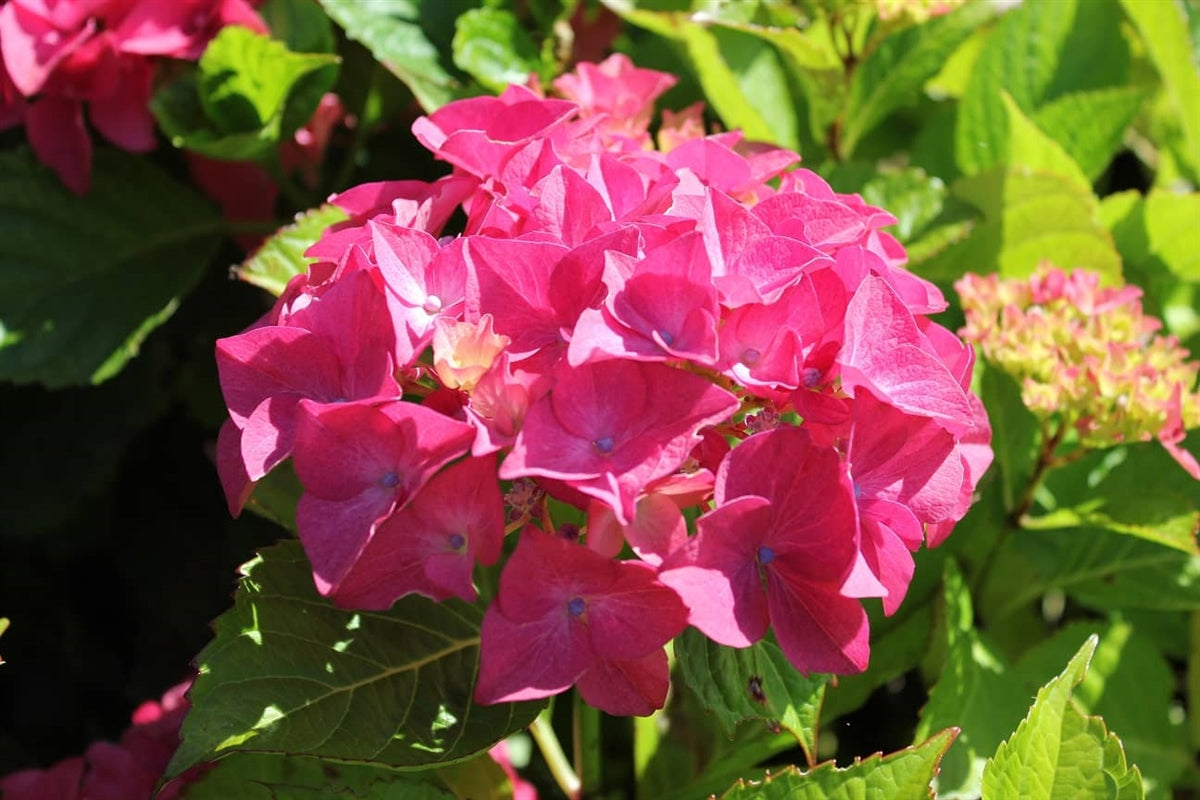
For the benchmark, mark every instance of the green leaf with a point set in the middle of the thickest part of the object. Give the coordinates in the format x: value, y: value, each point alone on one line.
x: 1131, y: 686
x: 491, y: 46
x: 1014, y: 432
x: 258, y: 776
x: 246, y: 80
x: 1164, y: 31
x: 976, y: 693
x: 1108, y: 114
x: 248, y: 93
x: 743, y: 81
x: 275, y: 497
x: 1028, y: 217
x: 291, y: 673
x: 1030, y: 147
x: 1157, y: 239
x: 912, y: 197
x: 281, y: 257
x: 1057, y: 752
x: 299, y: 24
x: 392, y: 31
x: 1038, y: 52
x: 903, y: 775
x: 895, y: 70
x: 83, y: 280
x: 1098, y: 567
x: 757, y: 682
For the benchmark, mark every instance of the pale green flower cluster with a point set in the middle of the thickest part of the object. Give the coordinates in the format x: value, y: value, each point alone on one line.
x: 1086, y: 354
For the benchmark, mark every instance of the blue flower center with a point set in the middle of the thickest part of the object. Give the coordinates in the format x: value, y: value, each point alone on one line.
x: 604, y: 444
x: 750, y: 356
x: 765, y: 555
x: 576, y: 606
x: 456, y: 541
x: 390, y: 480
x: 667, y: 338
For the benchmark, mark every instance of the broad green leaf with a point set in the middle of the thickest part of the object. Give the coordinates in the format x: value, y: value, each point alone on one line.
x: 491, y: 46
x: 912, y: 197
x: 896, y: 69
x: 1135, y: 509
x: 289, y: 672
x: 742, y: 81
x: 83, y: 280
x: 392, y: 31
x: 1130, y: 685
x: 1031, y: 148
x: 260, y: 776
x: 1091, y: 125
x: 1028, y: 217
x: 281, y: 257
x: 299, y: 24
x: 1038, y: 52
x: 246, y: 80
x: 1160, y: 244
x: 248, y: 93
x: 1057, y: 752
x: 1164, y: 31
x: 1096, y: 566
x: 757, y: 682
x: 977, y: 693
x: 1014, y: 432
x: 903, y: 775
x: 275, y: 497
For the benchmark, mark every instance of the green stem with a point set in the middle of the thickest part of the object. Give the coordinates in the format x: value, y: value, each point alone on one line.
x: 587, y: 747
x: 1046, y: 461
x: 542, y: 731
x: 646, y: 740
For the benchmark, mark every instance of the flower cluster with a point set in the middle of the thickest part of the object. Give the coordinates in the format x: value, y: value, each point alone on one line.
x: 125, y: 770
x: 1088, y: 355
x: 60, y: 57
x: 620, y: 334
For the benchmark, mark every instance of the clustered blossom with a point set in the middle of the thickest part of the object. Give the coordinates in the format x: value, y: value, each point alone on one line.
x: 1086, y: 355
x: 631, y: 332
x: 60, y: 58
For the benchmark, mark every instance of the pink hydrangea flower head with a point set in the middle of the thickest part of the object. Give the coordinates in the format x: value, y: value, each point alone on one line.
x: 617, y: 89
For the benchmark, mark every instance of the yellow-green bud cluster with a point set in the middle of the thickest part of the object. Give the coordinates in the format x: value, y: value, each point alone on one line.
x: 1085, y: 353
x: 914, y: 10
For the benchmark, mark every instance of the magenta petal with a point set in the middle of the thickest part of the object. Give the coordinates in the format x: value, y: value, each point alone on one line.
x: 124, y: 117
x: 818, y: 629
x: 59, y: 139
x: 235, y: 481
x: 529, y: 660
x: 334, y: 532
x: 890, y: 560
x: 627, y: 688
x: 717, y: 573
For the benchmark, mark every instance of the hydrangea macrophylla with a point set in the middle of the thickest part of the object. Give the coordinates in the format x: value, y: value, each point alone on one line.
x: 1087, y: 355
x: 647, y: 337
x: 61, y: 56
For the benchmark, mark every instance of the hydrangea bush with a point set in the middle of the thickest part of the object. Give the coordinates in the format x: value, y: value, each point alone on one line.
x: 607, y: 419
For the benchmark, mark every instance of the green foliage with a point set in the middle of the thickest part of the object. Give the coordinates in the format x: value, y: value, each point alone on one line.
x: 752, y: 683
x: 281, y: 257
x: 249, y: 93
x: 1058, y: 752
x: 392, y: 31
x: 256, y: 776
x: 291, y: 673
x: 77, y: 311
x: 904, y: 775
x: 491, y: 46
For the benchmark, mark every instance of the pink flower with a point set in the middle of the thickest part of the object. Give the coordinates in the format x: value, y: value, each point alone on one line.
x: 776, y: 551
x: 568, y: 616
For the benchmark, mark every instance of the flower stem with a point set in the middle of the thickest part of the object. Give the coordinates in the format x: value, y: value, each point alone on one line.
x: 542, y: 731
x: 1046, y: 461
x: 587, y: 747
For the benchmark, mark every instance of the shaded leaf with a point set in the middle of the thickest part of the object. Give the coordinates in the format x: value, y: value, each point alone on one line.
x: 757, y: 682
x: 912, y: 197
x: 899, y: 66
x: 1030, y: 147
x: 392, y: 31
x: 1108, y: 113
x: 1164, y: 31
x: 281, y: 257
x: 299, y: 24
x: 903, y: 775
x: 1057, y: 752
x: 288, y: 672
x: 977, y: 693
x: 259, y: 776
x: 83, y: 280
